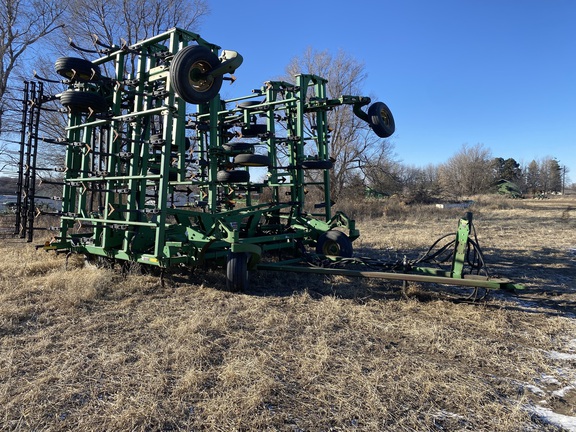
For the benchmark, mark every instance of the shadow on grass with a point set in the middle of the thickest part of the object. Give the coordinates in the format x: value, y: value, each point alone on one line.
x: 548, y: 274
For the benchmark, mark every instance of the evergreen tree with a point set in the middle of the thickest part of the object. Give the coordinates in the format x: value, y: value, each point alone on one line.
x: 532, y: 177
x: 511, y: 170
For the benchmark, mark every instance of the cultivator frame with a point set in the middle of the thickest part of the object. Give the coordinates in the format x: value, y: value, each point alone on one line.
x: 135, y: 152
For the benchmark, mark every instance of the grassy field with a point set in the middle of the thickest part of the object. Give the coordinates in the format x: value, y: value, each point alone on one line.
x: 90, y: 349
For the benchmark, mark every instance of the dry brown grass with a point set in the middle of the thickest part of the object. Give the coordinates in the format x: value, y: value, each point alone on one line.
x: 88, y: 349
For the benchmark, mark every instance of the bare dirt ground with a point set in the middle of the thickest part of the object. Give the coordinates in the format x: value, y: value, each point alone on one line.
x: 91, y: 349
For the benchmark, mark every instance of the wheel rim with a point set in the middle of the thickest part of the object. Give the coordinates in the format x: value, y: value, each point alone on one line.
x: 385, y: 117
x: 331, y: 248
x: 198, y: 78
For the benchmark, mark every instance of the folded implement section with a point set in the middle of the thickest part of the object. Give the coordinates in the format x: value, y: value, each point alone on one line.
x: 159, y: 169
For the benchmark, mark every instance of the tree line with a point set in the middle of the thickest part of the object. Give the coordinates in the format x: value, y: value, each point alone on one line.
x: 470, y: 171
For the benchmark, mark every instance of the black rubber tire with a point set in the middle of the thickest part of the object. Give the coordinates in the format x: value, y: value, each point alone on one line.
x: 249, y: 104
x: 77, y: 69
x: 172, y: 175
x: 239, y: 147
x: 253, y: 130
x: 237, y: 272
x: 335, y: 243
x: 195, y: 59
x: 317, y: 164
x: 83, y: 101
x: 236, y: 176
x: 381, y: 119
x: 252, y: 160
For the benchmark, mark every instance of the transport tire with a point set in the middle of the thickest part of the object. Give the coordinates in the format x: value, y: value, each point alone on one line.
x: 237, y: 272
x: 381, y: 120
x: 77, y: 69
x: 335, y: 243
x: 186, y: 70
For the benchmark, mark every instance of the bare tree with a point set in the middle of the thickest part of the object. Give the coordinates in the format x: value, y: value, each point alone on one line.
x: 23, y: 23
x: 353, y: 144
x: 382, y: 173
x: 468, y: 172
x: 114, y: 22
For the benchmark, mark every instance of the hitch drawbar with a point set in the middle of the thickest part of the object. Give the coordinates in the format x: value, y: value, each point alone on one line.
x: 465, y: 255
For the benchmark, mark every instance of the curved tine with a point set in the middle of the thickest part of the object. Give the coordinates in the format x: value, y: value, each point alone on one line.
x: 35, y: 74
x: 73, y: 45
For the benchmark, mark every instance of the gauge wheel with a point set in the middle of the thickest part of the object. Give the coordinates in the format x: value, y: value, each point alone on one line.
x: 334, y: 243
x: 249, y: 104
x: 237, y: 271
x: 317, y: 164
x: 236, y: 176
x: 83, y: 101
x: 77, y: 69
x: 381, y: 120
x: 187, y: 70
x: 253, y: 130
x: 239, y: 147
x: 254, y: 160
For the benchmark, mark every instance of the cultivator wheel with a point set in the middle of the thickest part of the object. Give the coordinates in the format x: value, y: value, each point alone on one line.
x: 238, y: 147
x: 237, y: 271
x: 83, y: 101
x: 236, y: 176
x: 335, y: 243
x: 253, y: 130
x: 381, y: 120
x: 77, y: 69
x: 252, y: 160
x: 317, y: 164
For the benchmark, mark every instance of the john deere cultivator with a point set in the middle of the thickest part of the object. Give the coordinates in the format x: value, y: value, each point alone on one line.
x: 160, y: 170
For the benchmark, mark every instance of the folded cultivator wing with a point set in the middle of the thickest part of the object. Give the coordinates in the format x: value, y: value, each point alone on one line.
x: 160, y: 170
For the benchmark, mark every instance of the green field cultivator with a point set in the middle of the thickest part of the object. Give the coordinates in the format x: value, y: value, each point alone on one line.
x: 160, y: 170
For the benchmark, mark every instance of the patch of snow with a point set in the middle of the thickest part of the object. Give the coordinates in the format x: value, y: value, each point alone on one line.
x: 549, y: 379
x: 561, y: 356
x: 442, y: 414
x: 561, y: 420
x: 562, y: 392
x: 536, y: 390
x: 454, y: 205
x: 572, y: 345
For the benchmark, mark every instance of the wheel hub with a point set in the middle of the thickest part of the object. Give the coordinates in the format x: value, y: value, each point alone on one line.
x: 198, y: 78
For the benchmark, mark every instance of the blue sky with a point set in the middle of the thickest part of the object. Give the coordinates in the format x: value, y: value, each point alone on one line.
x: 453, y: 72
